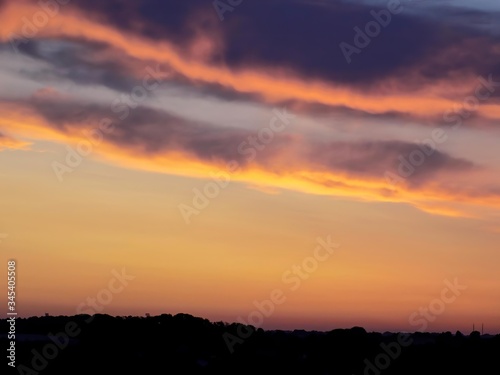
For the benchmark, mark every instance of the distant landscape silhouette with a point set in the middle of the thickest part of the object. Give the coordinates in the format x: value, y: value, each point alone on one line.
x: 183, y: 344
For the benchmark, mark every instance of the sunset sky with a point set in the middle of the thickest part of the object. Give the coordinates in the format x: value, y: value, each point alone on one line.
x: 205, y: 147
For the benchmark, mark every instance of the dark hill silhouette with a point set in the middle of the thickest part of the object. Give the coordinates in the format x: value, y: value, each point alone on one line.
x: 183, y: 344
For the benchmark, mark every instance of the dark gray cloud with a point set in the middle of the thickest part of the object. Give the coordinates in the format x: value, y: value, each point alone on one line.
x: 72, y: 60
x: 412, y: 52
x: 151, y: 131
x: 304, y: 36
x: 375, y: 158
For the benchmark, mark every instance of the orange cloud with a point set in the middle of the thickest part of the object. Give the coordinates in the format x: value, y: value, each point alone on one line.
x: 294, y: 174
x: 9, y: 143
x: 274, y: 85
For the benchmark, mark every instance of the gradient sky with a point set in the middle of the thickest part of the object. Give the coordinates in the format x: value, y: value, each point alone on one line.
x: 177, y: 93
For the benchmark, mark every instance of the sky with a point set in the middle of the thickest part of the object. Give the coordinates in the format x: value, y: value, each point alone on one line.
x: 340, y: 154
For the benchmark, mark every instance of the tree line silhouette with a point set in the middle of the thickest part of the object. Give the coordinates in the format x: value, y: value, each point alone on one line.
x: 180, y: 344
